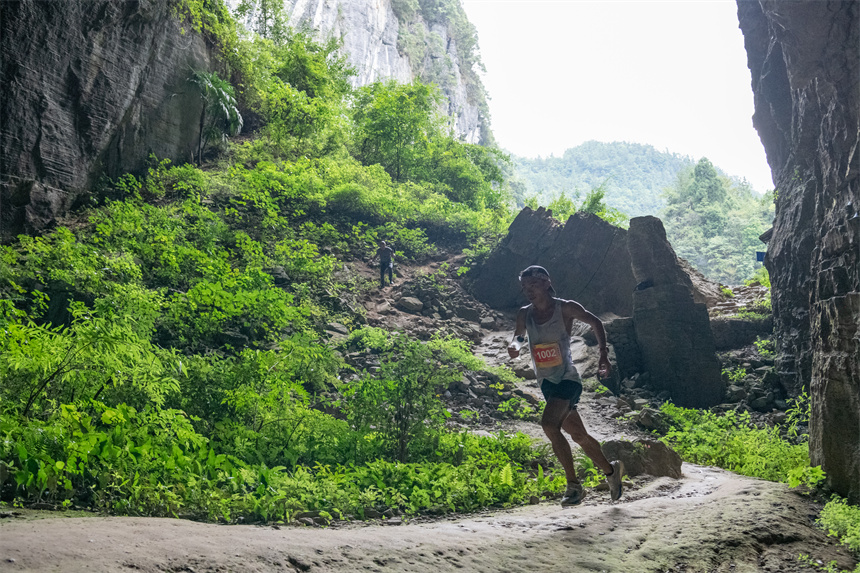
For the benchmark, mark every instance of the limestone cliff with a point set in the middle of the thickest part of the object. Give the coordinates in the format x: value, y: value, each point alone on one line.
x: 427, y: 40
x: 805, y: 63
x: 89, y: 87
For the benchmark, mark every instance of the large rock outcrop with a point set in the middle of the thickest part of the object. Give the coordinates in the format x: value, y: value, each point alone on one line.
x: 673, y: 331
x: 586, y: 257
x: 403, y: 44
x: 88, y: 88
x: 804, y: 58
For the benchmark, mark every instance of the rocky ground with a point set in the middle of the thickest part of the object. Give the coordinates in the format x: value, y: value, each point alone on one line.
x: 706, y: 520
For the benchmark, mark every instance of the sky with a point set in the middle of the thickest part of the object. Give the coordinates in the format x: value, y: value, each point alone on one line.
x: 669, y: 73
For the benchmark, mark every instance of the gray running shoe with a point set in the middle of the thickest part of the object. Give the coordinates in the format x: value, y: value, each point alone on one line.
x: 614, y: 480
x: 572, y: 495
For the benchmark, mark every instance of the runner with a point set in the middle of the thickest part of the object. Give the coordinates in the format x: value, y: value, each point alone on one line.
x: 386, y: 263
x: 547, y: 321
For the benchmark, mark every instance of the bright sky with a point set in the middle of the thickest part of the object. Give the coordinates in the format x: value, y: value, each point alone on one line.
x: 670, y: 73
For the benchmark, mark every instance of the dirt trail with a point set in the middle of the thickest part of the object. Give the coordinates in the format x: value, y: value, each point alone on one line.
x: 709, y: 520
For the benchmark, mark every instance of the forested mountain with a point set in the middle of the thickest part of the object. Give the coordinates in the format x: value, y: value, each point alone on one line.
x: 633, y: 175
x: 715, y: 223
x: 712, y: 220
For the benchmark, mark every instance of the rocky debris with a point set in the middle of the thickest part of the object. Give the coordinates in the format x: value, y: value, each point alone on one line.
x: 586, y: 257
x: 732, y: 332
x: 90, y: 89
x: 410, y: 304
x: 704, y: 290
x: 644, y: 457
x: 672, y: 330
x: 805, y: 76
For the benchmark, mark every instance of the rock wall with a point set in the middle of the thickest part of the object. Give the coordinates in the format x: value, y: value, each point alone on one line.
x: 672, y: 330
x: 804, y: 58
x: 373, y: 35
x: 88, y: 87
x: 586, y: 258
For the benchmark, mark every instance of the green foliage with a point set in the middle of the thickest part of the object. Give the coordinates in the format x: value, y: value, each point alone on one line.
x: 735, y: 375
x: 760, y: 276
x: 798, y: 412
x: 400, y: 405
x: 394, y: 123
x: 519, y: 408
x: 220, y: 116
x: 731, y: 442
x: 715, y: 223
x: 842, y: 520
x: 764, y: 346
x: 727, y: 292
x: 632, y: 174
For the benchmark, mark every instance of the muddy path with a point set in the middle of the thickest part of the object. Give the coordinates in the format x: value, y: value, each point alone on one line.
x: 710, y: 520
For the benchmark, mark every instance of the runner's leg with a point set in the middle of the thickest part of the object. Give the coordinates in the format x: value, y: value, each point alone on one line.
x: 554, y: 414
x: 573, y: 425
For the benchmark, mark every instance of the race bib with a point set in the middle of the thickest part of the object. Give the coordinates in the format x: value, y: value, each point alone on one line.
x: 547, y: 355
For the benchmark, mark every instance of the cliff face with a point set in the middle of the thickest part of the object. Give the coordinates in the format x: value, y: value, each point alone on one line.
x: 417, y: 42
x: 88, y: 87
x: 805, y: 68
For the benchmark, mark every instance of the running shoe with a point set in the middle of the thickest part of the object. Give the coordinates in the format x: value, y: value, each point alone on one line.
x: 572, y: 495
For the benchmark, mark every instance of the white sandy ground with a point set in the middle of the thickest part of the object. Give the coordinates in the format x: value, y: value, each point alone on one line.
x: 710, y: 520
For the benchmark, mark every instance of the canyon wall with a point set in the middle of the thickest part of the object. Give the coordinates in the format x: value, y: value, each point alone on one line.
x: 89, y: 88
x: 430, y: 41
x: 804, y: 58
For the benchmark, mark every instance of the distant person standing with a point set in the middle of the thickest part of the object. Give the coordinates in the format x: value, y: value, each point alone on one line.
x: 548, y: 320
x: 386, y: 263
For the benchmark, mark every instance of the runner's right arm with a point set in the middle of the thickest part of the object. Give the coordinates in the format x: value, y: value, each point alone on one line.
x: 519, y: 334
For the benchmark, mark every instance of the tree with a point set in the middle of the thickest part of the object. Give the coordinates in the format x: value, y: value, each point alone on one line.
x: 219, y: 117
x: 393, y: 122
x: 269, y: 18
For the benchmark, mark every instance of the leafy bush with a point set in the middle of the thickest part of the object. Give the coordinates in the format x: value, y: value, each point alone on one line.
x: 730, y: 441
x: 399, y: 406
x: 843, y: 521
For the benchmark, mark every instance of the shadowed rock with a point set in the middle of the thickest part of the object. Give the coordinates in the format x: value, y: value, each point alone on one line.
x: 672, y: 330
x: 644, y: 457
x: 806, y: 84
x: 89, y: 88
x: 586, y: 257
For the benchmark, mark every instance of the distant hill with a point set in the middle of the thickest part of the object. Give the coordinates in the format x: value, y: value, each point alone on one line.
x: 635, y: 175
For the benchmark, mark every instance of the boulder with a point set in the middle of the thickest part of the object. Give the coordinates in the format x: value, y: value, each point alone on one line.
x: 90, y: 89
x: 806, y: 85
x: 733, y: 332
x: 644, y: 457
x: 672, y: 330
x: 586, y: 257
x: 410, y: 304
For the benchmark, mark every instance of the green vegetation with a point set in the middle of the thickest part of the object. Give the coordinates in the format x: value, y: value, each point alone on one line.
x: 632, y: 175
x: 165, y: 353
x: 715, y: 223
x: 731, y: 442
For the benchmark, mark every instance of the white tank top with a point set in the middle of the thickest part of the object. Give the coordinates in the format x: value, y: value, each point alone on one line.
x: 550, y: 347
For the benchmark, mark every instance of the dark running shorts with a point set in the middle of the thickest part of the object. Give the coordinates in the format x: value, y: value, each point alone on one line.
x: 566, y: 390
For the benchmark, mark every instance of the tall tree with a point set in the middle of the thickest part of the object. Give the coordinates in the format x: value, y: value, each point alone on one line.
x: 393, y: 122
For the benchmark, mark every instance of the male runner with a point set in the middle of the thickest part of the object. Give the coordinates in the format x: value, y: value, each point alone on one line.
x: 548, y: 321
